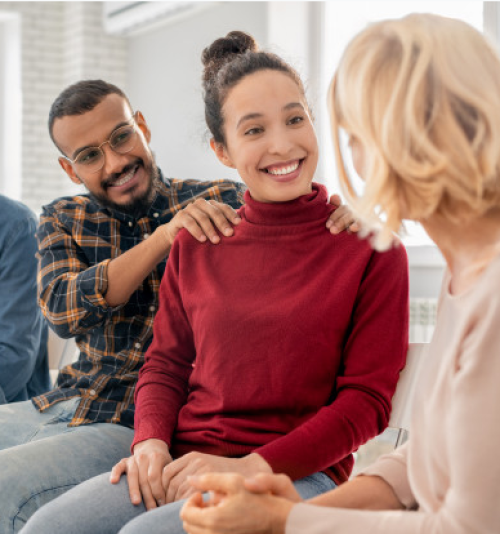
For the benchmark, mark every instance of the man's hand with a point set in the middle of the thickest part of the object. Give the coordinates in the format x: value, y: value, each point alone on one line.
x: 144, y: 472
x: 201, y: 218
x: 175, y: 475
x: 342, y: 218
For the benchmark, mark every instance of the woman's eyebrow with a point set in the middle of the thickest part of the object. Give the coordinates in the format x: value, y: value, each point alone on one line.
x: 251, y: 116
x: 247, y: 117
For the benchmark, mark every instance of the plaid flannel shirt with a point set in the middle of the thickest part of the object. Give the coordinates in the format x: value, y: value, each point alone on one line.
x: 77, y: 239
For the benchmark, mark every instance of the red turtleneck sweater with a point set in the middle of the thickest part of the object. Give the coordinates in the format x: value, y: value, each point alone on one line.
x: 282, y: 340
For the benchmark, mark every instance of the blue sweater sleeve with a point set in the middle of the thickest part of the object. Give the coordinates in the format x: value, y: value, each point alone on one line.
x: 21, y: 322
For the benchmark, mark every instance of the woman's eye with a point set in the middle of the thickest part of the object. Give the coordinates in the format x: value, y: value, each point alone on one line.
x: 296, y: 120
x: 253, y: 131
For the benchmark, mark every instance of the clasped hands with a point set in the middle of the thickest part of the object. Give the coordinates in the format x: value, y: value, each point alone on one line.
x: 233, y: 504
x: 155, y: 478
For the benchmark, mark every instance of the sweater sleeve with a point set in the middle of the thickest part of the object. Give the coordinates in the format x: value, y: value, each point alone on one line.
x: 470, y: 504
x: 21, y: 323
x: 374, y: 353
x: 163, y: 380
x: 393, y: 468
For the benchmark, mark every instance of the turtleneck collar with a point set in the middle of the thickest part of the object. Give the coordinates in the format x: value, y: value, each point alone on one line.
x: 306, y: 208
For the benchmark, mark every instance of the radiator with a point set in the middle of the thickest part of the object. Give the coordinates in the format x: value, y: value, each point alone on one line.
x: 422, y: 319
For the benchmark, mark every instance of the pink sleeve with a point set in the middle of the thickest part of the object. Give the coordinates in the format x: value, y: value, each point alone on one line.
x: 393, y: 469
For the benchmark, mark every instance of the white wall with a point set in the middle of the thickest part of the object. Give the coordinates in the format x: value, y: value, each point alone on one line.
x: 60, y: 43
x: 165, y: 84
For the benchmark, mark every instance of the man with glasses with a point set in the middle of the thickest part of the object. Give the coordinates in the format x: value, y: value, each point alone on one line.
x: 102, y: 256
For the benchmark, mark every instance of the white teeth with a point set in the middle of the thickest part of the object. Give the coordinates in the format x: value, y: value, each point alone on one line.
x: 284, y: 170
x: 126, y: 178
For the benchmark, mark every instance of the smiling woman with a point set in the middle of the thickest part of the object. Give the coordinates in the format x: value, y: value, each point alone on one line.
x: 269, y: 352
x: 273, y: 146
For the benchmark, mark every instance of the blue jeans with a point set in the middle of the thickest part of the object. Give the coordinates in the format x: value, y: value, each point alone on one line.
x: 97, y: 506
x: 41, y: 457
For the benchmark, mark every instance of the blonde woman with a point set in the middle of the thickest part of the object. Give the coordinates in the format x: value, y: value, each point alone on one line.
x: 420, y: 100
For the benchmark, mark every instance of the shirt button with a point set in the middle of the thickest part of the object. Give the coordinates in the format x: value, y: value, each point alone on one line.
x: 152, y: 308
x: 92, y: 392
x: 156, y: 215
x: 145, y: 236
x: 130, y: 223
x: 137, y: 345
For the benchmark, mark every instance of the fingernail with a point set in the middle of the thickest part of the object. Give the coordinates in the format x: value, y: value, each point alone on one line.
x: 228, y: 231
x: 203, y: 237
x: 329, y: 223
x: 237, y: 220
x: 215, y: 239
x: 334, y: 230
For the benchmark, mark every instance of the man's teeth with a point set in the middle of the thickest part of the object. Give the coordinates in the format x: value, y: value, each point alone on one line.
x: 284, y: 170
x: 127, y: 177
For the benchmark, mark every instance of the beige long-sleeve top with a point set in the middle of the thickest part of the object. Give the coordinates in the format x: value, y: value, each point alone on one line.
x: 448, y: 473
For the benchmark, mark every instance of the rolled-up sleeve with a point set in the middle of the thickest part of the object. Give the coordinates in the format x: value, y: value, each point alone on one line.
x: 71, y: 292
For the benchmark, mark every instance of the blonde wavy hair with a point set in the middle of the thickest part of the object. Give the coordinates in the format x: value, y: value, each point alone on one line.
x: 422, y: 94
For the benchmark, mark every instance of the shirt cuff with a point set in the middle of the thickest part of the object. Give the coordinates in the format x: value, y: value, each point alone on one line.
x: 92, y: 286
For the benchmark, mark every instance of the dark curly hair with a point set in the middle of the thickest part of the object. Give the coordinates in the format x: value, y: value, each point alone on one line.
x: 227, y: 61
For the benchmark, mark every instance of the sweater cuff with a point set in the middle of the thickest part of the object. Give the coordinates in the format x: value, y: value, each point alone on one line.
x: 151, y: 429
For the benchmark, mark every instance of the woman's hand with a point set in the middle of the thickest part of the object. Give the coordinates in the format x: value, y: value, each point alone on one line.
x: 278, y: 485
x: 234, y: 509
x: 175, y: 475
x: 342, y: 218
x: 144, y: 472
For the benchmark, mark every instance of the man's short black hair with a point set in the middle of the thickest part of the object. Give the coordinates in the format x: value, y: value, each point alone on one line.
x: 80, y: 98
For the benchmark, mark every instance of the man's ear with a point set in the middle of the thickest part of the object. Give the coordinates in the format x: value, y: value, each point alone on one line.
x: 221, y: 153
x: 141, y: 122
x: 68, y: 169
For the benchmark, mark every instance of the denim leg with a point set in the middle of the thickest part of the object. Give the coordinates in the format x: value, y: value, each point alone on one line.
x: 163, y: 520
x: 315, y: 484
x: 166, y: 520
x: 94, y: 507
x: 21, y: 422
x: 37, y: 472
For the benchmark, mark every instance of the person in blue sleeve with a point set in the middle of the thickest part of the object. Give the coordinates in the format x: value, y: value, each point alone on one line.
x: 24, y: 369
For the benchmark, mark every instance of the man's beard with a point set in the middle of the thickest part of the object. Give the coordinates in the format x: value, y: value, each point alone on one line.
x: 139, y: 206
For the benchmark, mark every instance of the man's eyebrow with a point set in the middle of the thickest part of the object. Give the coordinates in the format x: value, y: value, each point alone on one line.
x: 251, y: 116
x: 81, y: 149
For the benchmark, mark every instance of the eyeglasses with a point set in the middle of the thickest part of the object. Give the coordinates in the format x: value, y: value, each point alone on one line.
x: 121, y: 141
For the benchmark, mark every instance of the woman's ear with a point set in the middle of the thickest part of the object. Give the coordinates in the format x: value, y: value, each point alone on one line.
x: 221, y: 153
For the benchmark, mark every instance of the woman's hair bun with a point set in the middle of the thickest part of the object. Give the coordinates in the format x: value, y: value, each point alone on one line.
x: 223, y: 49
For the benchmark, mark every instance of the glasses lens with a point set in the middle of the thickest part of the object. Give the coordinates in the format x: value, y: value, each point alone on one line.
x: 123, y: 140
x: 90, y: 158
